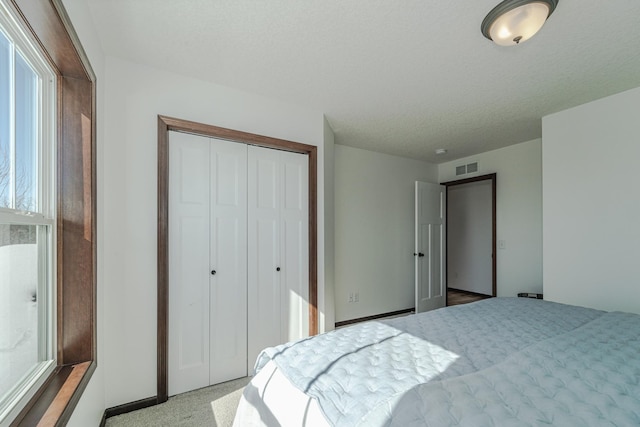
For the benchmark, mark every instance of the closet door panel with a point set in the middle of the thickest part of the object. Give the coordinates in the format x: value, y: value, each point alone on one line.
x: 264, y: 290
x: 294, y: 219
x: 264, y: 299
x: 265, y: 172
x: 188, y: 356
x: 228, y: 286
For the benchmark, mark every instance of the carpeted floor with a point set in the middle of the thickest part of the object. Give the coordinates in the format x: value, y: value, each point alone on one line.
x: 213, y: 406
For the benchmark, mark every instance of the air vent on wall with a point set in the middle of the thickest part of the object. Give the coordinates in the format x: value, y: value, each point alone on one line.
x: 468, y: 168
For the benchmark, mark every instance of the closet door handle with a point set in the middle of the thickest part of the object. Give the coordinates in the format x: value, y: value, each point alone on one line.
x: 213, y: 272
x: 277, y: 268
x: 420, y: 254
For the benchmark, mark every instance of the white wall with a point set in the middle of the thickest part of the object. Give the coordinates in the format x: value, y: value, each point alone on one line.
x: 591, y: 159
x: 135, y: 96
x: 518, y: 212
x: 91, y: 406
x: 374, y: 230
x: 326, y: 299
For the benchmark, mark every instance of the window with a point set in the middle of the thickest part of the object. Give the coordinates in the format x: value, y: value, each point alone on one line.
x: 73, y: 264
x: 27, y: 218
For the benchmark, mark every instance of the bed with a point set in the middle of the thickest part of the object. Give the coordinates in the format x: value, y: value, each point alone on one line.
x: 496, y: 362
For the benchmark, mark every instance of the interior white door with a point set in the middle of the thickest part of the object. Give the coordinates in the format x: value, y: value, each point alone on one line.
x: 228, y: 278
x: 278, y: 281
x: 294, y: 247
x: 188, y: 355
x: 207, y: 256
x: 430, y: 241
x: 264, y: 299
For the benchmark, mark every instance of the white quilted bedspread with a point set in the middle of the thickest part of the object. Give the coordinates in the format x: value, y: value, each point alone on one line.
x: 586, y: 377
x: 380, y: 373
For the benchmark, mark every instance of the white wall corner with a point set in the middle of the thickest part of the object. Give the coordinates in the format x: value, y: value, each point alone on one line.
x: 326, y: 299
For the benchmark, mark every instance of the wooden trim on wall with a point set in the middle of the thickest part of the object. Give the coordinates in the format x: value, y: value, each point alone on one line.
x: 313, y: 240
x: 472, y: 179
x: 61, y: 46
x: 64, y: 395
x: 163, y: 260
x: 494, y: 258
x: 76, y: 261
x: 166, y: 124
x: 493, y: 178
x: 76, y: 342
x: 129, y: 407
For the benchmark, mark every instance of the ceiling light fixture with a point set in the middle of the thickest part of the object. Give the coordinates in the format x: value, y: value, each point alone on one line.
x: 515, y: 21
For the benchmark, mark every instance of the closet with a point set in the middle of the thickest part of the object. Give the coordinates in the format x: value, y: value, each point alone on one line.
x: 238, y: 256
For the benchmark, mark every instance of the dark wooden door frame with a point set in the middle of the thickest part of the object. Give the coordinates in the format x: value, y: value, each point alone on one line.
x: 166, y: 124
x: 492, y: 178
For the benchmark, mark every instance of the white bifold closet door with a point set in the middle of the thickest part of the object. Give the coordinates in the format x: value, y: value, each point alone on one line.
x: 278, y: 233
x: 238, y: 256
x: 207, y: 262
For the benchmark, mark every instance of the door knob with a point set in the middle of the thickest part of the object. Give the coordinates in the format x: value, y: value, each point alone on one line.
x: 277, y: 268
x: 213, y: 272
x: 420, y: 254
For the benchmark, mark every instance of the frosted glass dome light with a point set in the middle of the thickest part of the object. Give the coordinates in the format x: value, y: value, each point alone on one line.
x: 515, y: 21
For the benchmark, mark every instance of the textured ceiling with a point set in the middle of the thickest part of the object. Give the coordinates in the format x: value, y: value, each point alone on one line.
x: 402, y: 78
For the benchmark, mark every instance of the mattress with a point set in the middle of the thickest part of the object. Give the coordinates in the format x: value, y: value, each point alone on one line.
x: 389, y: 372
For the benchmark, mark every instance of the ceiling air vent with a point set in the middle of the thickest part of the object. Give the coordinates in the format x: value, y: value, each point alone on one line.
x: 472, y: 167
x: 461, y: 170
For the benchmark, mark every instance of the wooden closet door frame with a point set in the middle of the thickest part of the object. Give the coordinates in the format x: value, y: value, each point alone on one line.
x: 166, y: 124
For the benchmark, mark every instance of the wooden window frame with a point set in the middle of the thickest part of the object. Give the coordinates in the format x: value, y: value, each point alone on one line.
x: 166, y: 124
x: 55, y: 401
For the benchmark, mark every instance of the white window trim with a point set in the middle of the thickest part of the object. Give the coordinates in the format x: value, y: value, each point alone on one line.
x: 24, y: 43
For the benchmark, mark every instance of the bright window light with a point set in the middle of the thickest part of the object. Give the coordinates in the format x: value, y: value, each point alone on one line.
x: 27, y: 218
